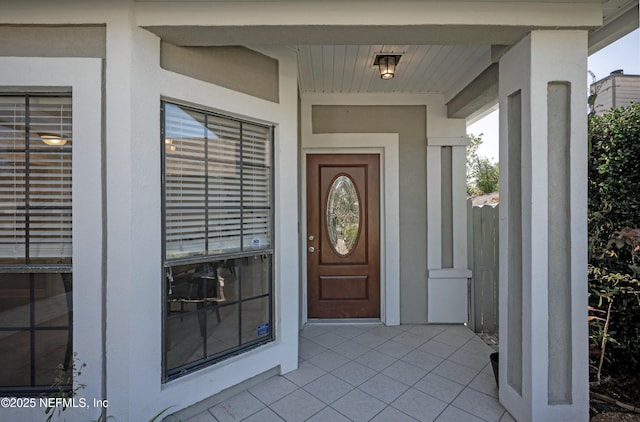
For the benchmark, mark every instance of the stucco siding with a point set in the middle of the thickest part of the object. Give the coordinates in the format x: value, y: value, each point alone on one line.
x: 53, y: 41
x: 234, y: 67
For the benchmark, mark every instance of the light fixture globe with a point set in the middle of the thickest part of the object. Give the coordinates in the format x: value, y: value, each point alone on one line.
x: 53, y: 140
x: 387, y: 65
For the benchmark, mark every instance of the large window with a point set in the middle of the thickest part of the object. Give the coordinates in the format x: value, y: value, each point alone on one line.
x: 217, y: 200
x: 35, y: 242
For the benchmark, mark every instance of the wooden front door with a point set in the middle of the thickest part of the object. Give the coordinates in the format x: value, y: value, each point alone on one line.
x: 343, y: 236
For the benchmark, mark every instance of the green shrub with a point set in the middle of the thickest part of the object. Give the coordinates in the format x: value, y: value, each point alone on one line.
x: 614, y: 213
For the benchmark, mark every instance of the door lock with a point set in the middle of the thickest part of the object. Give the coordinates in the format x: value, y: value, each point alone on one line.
x: 312, y: 249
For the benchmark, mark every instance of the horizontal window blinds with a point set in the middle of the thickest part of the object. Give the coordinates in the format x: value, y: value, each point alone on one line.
x: 217, y: 184
x: 35, y: 179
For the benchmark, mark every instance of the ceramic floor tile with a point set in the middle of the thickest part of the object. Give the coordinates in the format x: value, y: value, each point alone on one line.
x: 328, y: 415
x: 328, y: 388
x: 439, y: 387
x: 348, y: 331
x: 375, y: 360
x: 485, y: 383
x: 425, y: 331
x: 350, y: 349
x: 451, y: 339
x: 404, y: 372
x: 419, y: 405
x: 386, y: 332
x: 309, y: 349
x: 455, y: 372
x: 329, y: 340
x: 384, y: 388
x: 472, y: 360
x: 202, y: 417
x: 370, y: 340
x: 328, y: 360
x: 460, y: 330
x: 311, y: 331
x: 422, y: 360
x: 453, y: 414
x: 438, y: 349
x: 297, y: 406
x: 478, y: 404
x: 409, y: 339
x: 353, y: 373
x: 507, y: 417
x: 305, y: 373
x: 237, y: 408
x: 273, y: 389
x: 394, y: 349
x: 265, y: 415
x: 389, y: 414
x: 358, y: 406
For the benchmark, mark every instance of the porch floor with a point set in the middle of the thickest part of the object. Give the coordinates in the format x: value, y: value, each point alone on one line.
x: 373, y: 372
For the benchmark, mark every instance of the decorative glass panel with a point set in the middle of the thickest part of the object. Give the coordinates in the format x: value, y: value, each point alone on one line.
x: 343, y: 215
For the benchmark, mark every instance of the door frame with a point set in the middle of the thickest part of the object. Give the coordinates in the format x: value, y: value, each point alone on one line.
x: 386, y: 145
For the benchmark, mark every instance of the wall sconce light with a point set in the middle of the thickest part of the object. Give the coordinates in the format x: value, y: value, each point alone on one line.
x: 53, y: 140
x: 387, y: 64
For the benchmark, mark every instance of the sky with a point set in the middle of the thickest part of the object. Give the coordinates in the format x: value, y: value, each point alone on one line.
x: 622, y: 54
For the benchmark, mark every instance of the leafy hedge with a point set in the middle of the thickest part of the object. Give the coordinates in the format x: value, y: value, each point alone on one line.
x: 614, y: 248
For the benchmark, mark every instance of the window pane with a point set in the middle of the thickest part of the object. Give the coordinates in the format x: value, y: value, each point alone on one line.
x: 15, y: 355
x: 224, y: 185
x: 224, y: 140
x: 256, y: 275
x: 257, y: 229
x: 184, y: 342
x: 52, y: 300
x: 185, y: 234
x: 223, y: 334
x: 12, y: 129
x: 53, y: 357
x: 14, y: 300
x: 224, y: 231
x: 256, y: 145
x: 50, y: 123
x: 256, y: 187
x: 255, y: 319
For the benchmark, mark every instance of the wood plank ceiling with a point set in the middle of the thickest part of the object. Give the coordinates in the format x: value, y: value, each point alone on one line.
x: 422, y: 68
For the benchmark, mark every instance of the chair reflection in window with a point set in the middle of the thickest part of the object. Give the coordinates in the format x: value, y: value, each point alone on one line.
x: 201, y: 285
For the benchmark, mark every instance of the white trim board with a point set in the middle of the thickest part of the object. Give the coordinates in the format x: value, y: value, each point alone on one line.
x: 387, y: 145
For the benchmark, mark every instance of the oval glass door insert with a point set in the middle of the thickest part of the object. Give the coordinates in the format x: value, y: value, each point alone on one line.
x: 343, y: 215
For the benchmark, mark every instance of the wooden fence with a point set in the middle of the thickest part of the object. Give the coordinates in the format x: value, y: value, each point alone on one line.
x: 483, y: 260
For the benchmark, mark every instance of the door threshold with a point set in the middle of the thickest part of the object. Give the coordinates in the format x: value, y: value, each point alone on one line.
x: 344, y: 321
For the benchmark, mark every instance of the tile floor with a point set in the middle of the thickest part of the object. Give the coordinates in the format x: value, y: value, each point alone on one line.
x: 375, y: 373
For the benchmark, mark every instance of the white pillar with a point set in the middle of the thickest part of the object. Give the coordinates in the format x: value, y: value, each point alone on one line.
x: 543, y: 228
x: 448, y: 280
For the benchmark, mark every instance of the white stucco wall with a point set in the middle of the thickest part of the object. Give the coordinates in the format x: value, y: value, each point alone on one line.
x: 134, y: 296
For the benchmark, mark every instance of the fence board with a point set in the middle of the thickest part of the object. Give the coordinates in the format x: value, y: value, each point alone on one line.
x: 484, y: 261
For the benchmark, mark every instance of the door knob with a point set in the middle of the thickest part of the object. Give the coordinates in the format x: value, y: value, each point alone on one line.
x: 312, y: 249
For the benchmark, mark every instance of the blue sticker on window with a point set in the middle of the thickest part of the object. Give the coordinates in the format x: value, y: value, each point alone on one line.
x: 263, y: 329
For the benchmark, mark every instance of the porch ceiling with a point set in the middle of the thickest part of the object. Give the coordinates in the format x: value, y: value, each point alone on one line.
x: 423, y: 68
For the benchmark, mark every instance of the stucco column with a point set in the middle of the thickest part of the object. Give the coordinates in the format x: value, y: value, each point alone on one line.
x: 447, y: 283
x: 543, y: 226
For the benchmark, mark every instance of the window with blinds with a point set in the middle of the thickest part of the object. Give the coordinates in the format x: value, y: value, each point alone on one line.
x: 35, y: 242
x: 217, y: 201
x: 35, y: 179
x: 217, y: 184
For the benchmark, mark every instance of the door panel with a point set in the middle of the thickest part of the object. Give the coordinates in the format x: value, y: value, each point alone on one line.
x: 343, y: 229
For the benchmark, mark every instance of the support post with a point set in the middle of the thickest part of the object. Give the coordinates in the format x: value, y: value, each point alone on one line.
x: 543, y: 228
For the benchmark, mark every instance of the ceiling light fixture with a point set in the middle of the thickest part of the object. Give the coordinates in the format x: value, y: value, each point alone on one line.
x: 387, y: 64
x: 53, y: 140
